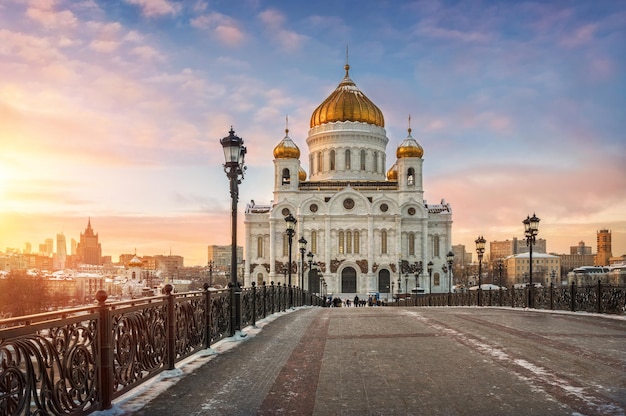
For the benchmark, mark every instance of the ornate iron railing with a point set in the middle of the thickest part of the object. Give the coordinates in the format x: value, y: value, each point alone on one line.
x: 597, y: 299
x: 76, y: 361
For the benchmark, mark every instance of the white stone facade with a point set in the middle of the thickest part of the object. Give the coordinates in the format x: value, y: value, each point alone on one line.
x: 359, y: 220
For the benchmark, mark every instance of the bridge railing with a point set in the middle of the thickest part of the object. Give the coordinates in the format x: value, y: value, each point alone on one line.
x: 598, y: 298
x: 76, y: 361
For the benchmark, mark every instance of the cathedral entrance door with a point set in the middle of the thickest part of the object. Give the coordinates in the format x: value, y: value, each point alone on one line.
x: 384, y: 281
x: 348, y: 280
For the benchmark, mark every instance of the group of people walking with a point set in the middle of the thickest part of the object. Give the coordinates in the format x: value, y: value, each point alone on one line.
x: 356, y: 302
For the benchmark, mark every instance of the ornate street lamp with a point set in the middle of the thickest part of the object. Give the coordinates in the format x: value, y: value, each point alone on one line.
x: 500, y: 268
x: 234, y: 154
x: 430, y: 276
x: 480, y: 250
x: 302, y: 244
x: 531, y: 229
x: 417, y: 269
x: 291, y: 231
x: 310, y: 257
x: 430, y: 279
x: 450, y: 259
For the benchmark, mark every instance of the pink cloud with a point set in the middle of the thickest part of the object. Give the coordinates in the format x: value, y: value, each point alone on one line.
x: 273, y: 21
x: 223, y: 27
x: 51, y: 19
x: 104, y: 46
x: 152, y: 8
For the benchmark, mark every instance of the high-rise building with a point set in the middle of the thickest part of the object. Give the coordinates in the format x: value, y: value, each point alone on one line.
x: 73, y: 246
x: 504, y: 249
x: 581, y: 249
x: 604, y: 251
x: 221, y: 256
x: 50, y: 246
x: 61, y: 251
x: 89, y: 249
x: 28, y: 248
x: 360, y: 220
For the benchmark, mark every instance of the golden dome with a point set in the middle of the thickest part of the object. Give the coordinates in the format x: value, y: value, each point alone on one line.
x: 409, y: 148
x: 347, y: 103
x: 286, y: 149
x: 301, y: 174
x: 392, y: 173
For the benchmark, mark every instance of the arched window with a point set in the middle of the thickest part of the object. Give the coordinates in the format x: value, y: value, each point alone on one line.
x: 357, y: 242
x: 286, y: 176
x: 411, y: 244
x: 410, y: 177
x: 332, y: 159
x: 437, y: 279
x: 259, y: 279
x: 348, y: 159
x: 314, y: 242
x: 259, y: 246
x: 436, y: 246
x: 341, y: 242
x: 383, y: 242
x: 320, y: 167
x: 362, y: 159
x: 349, y: 242
x: 133, y: 276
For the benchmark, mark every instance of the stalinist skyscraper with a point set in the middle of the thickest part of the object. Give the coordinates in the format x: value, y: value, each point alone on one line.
x: 89, y: 250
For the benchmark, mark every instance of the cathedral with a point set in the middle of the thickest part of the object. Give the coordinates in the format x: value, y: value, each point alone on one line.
x: 368, y: 230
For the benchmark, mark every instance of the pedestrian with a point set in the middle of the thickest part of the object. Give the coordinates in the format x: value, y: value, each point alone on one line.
x: 356, y: 300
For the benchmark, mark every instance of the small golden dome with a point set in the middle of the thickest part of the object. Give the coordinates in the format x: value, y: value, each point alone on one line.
x: 409, y: 148
x: 347, y: 103
x: 286, y: 149
x: 392, y: 173
x: 301, y: 174
x: 135, y: 262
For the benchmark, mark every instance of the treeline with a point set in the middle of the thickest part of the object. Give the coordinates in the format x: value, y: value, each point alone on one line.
x: 25, y: 294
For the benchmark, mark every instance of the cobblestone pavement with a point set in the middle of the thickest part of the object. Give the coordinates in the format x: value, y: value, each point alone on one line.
x: 412, y: 361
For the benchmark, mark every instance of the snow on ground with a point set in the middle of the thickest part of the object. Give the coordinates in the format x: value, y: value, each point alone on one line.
x: 138, y: 397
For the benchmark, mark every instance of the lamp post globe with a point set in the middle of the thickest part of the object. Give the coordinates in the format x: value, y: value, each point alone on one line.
x: 234, y: 155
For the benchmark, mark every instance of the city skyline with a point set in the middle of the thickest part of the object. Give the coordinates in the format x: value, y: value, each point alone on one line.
x: 115, y: 111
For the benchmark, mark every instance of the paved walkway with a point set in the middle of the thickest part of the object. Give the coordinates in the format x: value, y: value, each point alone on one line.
x: 412, y: 361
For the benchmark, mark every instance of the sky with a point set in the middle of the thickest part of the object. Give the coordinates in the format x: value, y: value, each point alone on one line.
x: 113, y: 111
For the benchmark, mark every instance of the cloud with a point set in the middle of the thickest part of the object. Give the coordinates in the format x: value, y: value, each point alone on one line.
x: 50, y: 19
x: 148, y: 53
x: 155, y: 8
x: 273, y: 21
x: 105, y: 46
x: 224, y: 28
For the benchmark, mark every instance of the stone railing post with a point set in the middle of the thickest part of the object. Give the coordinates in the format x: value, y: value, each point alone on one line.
x: 171, y: 328
x: 106, y: 351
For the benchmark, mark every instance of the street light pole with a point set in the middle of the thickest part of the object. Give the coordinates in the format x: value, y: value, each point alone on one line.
x: 531, y: 229
x: 234, y: 154
x: 500, y: 266
x: 430, y: 279
x: 302, y: 243
x: 310, y: 257
x: 291, y: 231
x: 450, y: 259
x: 480, y: 250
